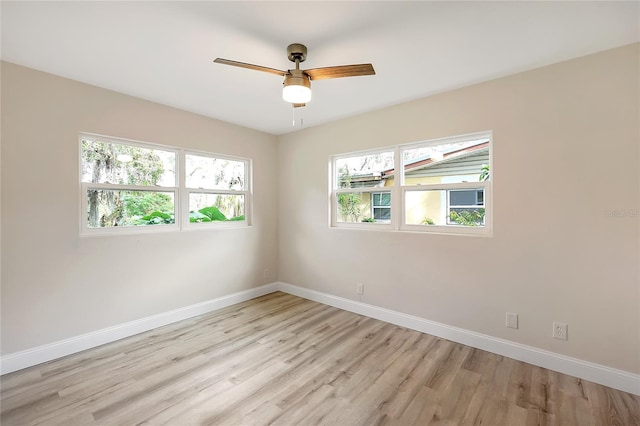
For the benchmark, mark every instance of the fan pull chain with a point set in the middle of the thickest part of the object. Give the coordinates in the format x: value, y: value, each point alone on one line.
x: 293, y: 117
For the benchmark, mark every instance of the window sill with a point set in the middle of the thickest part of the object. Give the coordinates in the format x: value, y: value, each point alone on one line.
x: 433, y: 230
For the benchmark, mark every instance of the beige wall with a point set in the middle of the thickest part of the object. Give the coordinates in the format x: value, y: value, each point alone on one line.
x: 57, y: 285
x: 566, y: 152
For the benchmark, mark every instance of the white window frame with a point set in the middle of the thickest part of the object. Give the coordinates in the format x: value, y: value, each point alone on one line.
x: 179, y: 190
x: 400, y: 189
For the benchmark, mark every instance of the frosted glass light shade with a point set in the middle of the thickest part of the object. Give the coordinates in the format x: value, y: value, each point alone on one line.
x: 296, y: 94
x: 296, y: 87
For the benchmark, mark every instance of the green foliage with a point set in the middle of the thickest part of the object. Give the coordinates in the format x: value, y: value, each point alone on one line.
x: 468, y: 217
x: 348, y: 203
x: 206, y: 214
x: 197, y: 217
x: 428, y: 221
x: 140, y: 203
x: 349, y: 206
x: 213, y: 213
x: 368, y: 219
x: 156, y: 218
x: 484, y: 173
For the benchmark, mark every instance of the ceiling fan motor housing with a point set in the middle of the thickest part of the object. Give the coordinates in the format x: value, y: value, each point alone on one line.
x: 297, y: 78
x: 297, y: 51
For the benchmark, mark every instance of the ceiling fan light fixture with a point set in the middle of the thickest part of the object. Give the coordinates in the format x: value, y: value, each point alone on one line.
x: 297, y: 83
x: 296, y: 89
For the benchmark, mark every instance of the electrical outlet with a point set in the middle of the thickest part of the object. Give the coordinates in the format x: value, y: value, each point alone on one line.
x: 266, y: 273
x: 560, y: 330
x: 359, y: 288
x: 512, y: 320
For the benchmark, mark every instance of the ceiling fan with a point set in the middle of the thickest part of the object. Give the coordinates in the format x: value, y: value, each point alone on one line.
x: 297, y: 83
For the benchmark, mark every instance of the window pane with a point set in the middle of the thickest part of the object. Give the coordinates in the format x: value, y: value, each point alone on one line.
x: 111, y: 208
x: 426, y: 207
x: 214, y: 173
x: 382, y: 213
x: 430, y: 208
x: 215, y: 207
x: 364, y: 171
x: 106, y: 162
x: 451, y: 162
x: 382, y: 199
x: 471, y: 197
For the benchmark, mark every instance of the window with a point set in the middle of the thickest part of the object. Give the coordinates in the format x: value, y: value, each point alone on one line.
x: 216, y: 188
x: 381, y: 206
x: 357, y: 182
x: 439, y: 186
x: 130, y: 186
x: 466, y: 207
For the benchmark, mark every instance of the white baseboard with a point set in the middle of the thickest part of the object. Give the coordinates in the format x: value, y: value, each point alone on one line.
x: 40, y: 354
x: 617, y: 379
x: 611, y: 377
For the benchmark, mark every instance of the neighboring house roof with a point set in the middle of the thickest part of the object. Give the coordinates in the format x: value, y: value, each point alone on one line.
x: 367, y: 180
x: 461, y: 161
x: 464, y: 161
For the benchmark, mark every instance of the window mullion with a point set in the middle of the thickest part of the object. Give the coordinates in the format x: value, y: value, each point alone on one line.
x: 446, y: 186
x: 117, y: 187
x: 217, y: 191
x: 184, y: 196
x: 397, y: 204
x: 248, y: 191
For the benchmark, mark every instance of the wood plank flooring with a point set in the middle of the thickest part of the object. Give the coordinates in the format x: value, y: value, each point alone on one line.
x: 283, y: 360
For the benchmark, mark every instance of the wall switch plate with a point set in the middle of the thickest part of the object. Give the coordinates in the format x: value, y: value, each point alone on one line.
x: 512, y: 320
x: 359, y: 288
x: 560, y: 330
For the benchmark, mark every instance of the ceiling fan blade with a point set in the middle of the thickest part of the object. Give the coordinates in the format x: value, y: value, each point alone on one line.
x: 340, y: 71
x: 249, y: 66
x: 298, y: 105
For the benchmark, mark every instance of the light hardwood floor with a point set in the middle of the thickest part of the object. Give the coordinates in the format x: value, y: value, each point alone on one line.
x: 283, y: 360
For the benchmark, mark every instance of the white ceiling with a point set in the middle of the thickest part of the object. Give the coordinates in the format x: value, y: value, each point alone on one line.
x: 163, y: 51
